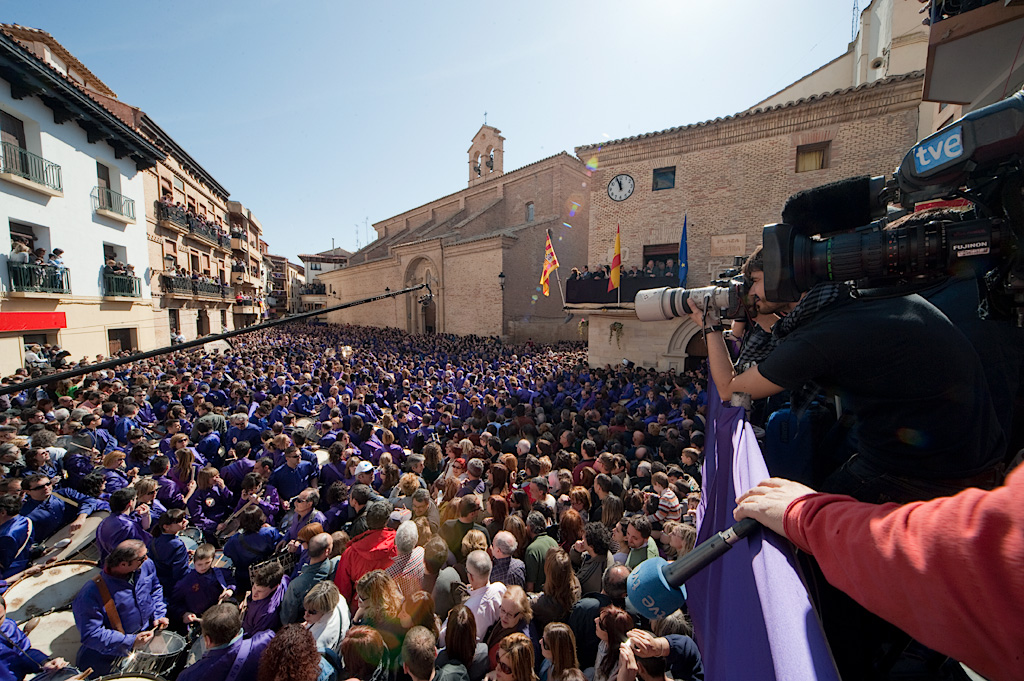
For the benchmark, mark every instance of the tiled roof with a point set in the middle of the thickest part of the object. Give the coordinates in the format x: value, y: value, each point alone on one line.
x: 761, y: 110
x: 14, y: 30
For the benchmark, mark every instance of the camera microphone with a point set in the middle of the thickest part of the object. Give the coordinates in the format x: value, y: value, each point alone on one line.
x: 655, y: 587
x: 838, y: 206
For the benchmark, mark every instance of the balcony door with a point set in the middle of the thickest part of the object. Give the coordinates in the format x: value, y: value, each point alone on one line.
x: 12, y: 134
x: 103, y: 182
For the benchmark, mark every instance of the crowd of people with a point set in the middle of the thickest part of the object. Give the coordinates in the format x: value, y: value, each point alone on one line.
x: 415, y: 507
x: 653, y: 268
x: 194, y: 220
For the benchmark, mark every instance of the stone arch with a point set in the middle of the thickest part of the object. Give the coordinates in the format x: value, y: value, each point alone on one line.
x: 422, y: 269
x: 681, y: 351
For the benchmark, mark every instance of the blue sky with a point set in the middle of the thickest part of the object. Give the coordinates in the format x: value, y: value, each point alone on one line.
x: 318, y: 115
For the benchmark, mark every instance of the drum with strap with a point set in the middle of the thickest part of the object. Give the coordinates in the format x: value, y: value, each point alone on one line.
x: 133, y: 676
x: 65, y: 674
x: 55, y: 634
x: 303, y: 423
x: 51, y: 590
x: 192, y: 537
x: 81, y: 545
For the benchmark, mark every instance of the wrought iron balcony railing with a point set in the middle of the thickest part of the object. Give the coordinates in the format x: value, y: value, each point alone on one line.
x: 27, y: 278
x: 23, y: 163
x: 107, y: 199
x: 122, y: 285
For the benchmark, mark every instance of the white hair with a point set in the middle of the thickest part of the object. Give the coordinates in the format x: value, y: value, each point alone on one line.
x: 479, y: 563
x: 406, y: 537
x: 505, y: 542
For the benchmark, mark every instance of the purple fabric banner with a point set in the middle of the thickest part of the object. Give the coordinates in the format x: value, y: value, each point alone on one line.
x: 751, y: 613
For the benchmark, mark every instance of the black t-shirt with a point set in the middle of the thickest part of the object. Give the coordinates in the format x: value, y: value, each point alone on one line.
x: 913, y: 381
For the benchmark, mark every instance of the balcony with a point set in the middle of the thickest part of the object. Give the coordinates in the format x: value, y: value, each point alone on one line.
x: 184, y: 287
x: 27, y: 278
x: 595, y: 291
x: 22, y: 167
x: 177, y: 286
x: 112, y: 205
x: 238, y: 243
x: 179, y: 220
x: 973, y: 51
x: 121, y: 286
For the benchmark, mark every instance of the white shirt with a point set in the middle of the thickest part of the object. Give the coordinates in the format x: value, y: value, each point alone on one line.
x: 329, y: 631
x: 484, y: 603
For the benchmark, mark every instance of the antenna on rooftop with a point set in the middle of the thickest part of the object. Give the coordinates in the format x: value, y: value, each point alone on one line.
x: 853, y: 25
x: 358, y: 240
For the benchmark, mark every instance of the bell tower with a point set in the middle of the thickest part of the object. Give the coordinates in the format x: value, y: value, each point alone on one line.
x: 485, y: 155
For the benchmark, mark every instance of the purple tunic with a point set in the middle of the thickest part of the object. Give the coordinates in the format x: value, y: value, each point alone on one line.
x: 265, y: 614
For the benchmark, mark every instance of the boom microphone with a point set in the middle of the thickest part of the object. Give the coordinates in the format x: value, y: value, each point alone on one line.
x: 839, y: 206
x: 655, y: 587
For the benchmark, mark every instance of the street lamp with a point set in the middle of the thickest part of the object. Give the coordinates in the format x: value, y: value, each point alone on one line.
x: 387, y: 289
x: 501, y: 280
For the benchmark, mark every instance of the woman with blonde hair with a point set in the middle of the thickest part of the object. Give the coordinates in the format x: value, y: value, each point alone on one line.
x: 515, y: 659
x: 517, y: 527
x: 113, y: 475
x: 514, y: 617
x: 326, y: 615
x: 380, y: 605
x: 449, y: 506
x: 558, y: 647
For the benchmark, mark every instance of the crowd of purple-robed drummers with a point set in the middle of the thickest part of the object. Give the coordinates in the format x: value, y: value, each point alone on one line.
x: 323, y: 502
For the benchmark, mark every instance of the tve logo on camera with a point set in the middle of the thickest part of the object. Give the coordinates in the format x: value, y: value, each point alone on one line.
x: 939, y: 150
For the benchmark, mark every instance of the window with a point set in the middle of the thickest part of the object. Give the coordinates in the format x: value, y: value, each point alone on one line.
x: 179, y: 185
x: 529, y: 212
x: 102, y: 175
x: 12, y: 130
x: 812, y: 157
x: 314, y: 266
x: 35, y: 339
x: 223, y: 320
x: 942, y: 106
x: 170, y: 253
x: 172, y: 319
x: 664, y: 178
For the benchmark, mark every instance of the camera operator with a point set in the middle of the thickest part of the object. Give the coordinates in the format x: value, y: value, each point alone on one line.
x: 925, y: 421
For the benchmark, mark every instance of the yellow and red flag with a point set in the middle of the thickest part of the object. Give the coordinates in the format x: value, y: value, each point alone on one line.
x: 550, y: 265
x: 613, y: 277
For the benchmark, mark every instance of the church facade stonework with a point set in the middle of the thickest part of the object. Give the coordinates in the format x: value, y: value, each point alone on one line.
x: 460, y: 243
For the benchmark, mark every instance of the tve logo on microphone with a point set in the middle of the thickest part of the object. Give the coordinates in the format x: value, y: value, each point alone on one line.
x: 939, y: 150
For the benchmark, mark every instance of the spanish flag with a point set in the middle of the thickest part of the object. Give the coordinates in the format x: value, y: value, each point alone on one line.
x: 613, y: 277
x: 550, y: 265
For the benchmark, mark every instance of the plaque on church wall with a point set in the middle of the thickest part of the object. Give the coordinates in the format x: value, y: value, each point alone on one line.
x: 729, y: 244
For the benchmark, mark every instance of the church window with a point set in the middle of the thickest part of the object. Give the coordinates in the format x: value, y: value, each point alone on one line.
x: 529, y: 212
x: 812, y: 157
x: 664, y: 178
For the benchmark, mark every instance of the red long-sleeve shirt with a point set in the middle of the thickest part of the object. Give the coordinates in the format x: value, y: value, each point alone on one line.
x: 949, y: 572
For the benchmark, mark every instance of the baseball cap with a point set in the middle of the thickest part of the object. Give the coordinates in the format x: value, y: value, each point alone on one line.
x: 364, y: 467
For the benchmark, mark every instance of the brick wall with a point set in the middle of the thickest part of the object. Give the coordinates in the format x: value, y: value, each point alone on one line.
x: 733, y: 176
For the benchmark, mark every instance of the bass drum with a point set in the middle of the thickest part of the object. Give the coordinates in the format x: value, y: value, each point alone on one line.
x: 195, y: 652
x: 55, y: 634
x: 52, y: 589
x: 303, y: 423
x: 192, y: 537
x: 80, y: 546
x: 66, y: 674
x: 322, y: 457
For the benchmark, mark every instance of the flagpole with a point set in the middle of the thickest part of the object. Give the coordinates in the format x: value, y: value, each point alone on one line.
x: 558, y: 278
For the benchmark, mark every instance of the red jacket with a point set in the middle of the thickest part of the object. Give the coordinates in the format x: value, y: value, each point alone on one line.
x: 371, y: 550
x: 949, y: 572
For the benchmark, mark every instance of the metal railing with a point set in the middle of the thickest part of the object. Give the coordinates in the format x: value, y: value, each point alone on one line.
x: 192, y: 287
x: 107, y: 199
x: 23, y: 163
x: 38, y: 278
x: 199, y: 228
x: 122, y: 285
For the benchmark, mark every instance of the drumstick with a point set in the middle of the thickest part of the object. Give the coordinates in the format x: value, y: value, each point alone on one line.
x: 82, y: 675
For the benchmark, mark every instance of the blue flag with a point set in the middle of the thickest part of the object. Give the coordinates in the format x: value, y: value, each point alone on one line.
x: 752, y: 617
x: 683, y: 266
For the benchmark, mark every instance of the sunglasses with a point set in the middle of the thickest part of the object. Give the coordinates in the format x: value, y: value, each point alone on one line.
x: 504, y: 667
x: 45, y: 485
x: 310, y: 612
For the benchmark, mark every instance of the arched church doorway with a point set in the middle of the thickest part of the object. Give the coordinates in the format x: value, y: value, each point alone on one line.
x: 686, y: 349
x: 422, y: 318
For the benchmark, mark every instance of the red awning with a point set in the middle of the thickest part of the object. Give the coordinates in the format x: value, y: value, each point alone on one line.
x: 32, y: 321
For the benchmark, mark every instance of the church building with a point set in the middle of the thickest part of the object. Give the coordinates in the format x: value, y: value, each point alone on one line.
x: 481, y: 249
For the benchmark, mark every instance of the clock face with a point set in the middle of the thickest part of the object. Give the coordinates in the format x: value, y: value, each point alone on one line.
x: 620, y: 188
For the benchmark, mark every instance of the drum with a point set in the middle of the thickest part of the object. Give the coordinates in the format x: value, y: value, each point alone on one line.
x: 303, y: 423
x: 195, y: 652
x: 55, y: 634
x: 134, y: 676
x: 80, y: 546
x: 322, y: 457
x: 160, y: 656
x: 66, y: 674
x: 222, y: 561
x: 285, y: 558
x: 192, y: 537
x: 52, y: 589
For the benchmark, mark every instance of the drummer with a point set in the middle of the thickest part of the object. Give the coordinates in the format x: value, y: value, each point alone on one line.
x: 305, y: 503
x: 17, y: 656
x: 227, y: 655
x: 50, y: 511
x: 241, y: 430
x: 128, y: 590
x: 15, y: 536
x: 126, y: 521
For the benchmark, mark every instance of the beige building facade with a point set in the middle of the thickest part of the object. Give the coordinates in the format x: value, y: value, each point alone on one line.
x: 246, y: 265
x: 481, y: 249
